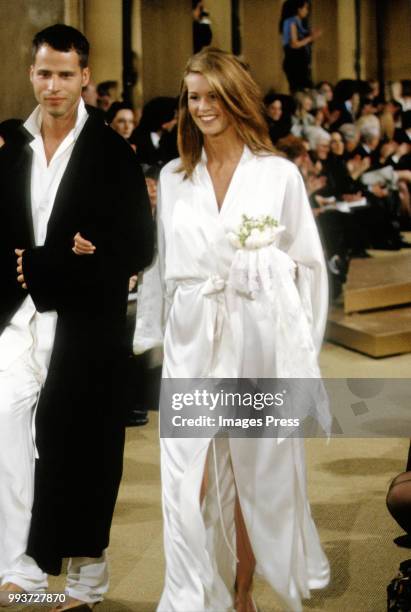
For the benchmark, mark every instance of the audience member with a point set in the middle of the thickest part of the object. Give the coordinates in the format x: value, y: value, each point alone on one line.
x: 202, y: 33
x: 89, y: 94
x: 120, y: 117
x: 405, y: 99
x: 346, y: 102
x: 370, y: 138
x: 156, y: 135
x: 107, y: 93
x: 279, y: 120
x: 302, y: 118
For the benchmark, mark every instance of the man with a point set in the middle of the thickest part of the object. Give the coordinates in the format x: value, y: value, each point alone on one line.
x: 62, y: 322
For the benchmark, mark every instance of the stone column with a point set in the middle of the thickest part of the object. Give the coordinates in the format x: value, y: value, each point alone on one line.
x: 19, y: 21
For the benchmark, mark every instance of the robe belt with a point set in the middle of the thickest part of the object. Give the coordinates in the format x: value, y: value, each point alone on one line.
x: 213, y: 285
x: 213, y: 290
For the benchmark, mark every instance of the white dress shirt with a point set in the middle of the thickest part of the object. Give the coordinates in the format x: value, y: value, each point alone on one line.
x: 29, y: 328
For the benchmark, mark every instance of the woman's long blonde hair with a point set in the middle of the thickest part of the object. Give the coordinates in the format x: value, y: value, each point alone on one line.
x: 240, y: 96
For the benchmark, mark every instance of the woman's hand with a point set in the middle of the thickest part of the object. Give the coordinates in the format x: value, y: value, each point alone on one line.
x: 316, y: 33
x: 82, y: 246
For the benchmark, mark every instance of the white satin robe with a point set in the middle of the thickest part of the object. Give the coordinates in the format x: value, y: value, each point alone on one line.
x: 212, y: 330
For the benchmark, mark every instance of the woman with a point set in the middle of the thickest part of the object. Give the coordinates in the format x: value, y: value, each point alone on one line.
x: 155, y: 136
x: 277, y: 115
x: 120, y: 117
x: 302, y: 119
x: 254, y: 491
x: 297, y: 41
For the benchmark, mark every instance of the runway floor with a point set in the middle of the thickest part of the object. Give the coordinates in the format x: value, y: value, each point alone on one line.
x: 348, y: 480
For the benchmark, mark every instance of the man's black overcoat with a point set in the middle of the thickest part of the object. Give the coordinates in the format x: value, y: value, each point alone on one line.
x: 79, y: 422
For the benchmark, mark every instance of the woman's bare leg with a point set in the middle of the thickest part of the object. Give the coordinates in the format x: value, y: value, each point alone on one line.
x: 245, y: 565
x: 245, y: 555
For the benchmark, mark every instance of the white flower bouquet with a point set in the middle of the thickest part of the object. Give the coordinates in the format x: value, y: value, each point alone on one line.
x: 255, y: 232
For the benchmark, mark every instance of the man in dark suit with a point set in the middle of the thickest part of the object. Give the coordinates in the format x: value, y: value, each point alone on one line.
x: 62, y: 326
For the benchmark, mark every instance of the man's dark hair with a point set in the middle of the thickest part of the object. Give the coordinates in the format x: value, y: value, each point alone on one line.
x: 61, y: 37
x: 103, y: 88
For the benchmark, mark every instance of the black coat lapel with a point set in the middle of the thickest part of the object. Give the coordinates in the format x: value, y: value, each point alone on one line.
x: 75, y: 178
x: 21, y: 182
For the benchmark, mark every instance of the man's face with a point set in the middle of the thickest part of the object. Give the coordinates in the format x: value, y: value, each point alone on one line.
x: 58, y: 80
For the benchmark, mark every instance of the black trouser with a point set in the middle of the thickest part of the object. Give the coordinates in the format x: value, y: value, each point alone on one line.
x: 296, y: 66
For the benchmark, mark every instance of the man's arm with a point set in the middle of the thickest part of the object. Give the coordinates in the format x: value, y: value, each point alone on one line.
x: 124, y: 244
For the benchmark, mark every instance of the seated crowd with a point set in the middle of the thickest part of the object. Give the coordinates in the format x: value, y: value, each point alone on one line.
x: 353, y: 149
x: 351, y: 144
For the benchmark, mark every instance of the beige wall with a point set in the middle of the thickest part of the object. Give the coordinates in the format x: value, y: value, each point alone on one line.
x: 261, y: 42
x: 19, y: 21
x: 103, y: 28
x: 167, y: 43
x: 369, y: 66
x: 220, y: 16
x: 162, y: 37
x: 398, y: 40
x: 346, y: 25
x: 325, y: 49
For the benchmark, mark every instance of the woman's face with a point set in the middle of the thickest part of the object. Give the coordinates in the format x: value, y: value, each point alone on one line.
x: 123, y: 122
x: 303, y: 11
x: 337, y: 143
x: 322, y: 149
x: 275, y: 110
x: 327, y: 91
x: 306, y: 103
x: 204, y: 106
x: 319, y: 117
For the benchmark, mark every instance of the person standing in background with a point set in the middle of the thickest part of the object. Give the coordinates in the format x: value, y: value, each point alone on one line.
x: 202, y: 33
x: 297, y: 41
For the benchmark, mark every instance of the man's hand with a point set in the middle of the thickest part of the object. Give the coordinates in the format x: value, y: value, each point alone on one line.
x: 132, y: 282
x: 82, y: 246
x: 20, y: 275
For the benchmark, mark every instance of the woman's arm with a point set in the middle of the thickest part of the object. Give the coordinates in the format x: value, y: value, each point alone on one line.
x: 302, y: 243
x: 297, y: 44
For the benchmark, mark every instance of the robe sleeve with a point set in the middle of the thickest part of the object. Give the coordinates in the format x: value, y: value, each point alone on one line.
x: 152, y: 303
x: 124, y: 245
x: 302, y: 243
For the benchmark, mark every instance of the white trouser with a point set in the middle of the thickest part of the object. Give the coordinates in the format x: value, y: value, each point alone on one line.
x: 20, y: 386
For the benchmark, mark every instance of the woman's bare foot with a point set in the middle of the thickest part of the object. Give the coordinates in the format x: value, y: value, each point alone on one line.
x: 73, y: 604
x: 244, y: 603
x: 8, y: 587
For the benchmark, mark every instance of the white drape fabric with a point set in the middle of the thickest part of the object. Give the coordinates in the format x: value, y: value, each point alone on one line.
x: 221, y: 322
x: 20, y: 385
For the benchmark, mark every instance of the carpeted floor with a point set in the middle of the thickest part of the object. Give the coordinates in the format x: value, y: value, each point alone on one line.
x: 347, y: 482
